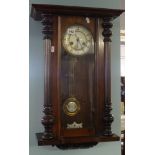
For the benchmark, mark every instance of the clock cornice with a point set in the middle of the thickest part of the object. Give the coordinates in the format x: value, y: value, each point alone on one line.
x: 38, y: 9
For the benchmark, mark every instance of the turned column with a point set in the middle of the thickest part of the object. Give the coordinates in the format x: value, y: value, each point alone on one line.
x: 48, y: 118
x: 108, y: 118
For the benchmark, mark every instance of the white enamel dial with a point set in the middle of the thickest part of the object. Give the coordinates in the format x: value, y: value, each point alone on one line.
x: 77, y: 40
x: 71, y: 106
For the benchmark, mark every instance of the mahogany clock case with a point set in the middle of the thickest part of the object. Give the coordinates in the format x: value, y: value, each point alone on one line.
x: 80, y: 81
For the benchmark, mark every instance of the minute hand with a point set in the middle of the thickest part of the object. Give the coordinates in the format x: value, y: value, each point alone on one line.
x: 78, y: 40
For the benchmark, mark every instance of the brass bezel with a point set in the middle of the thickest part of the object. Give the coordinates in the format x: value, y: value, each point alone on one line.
x: 71, y: 99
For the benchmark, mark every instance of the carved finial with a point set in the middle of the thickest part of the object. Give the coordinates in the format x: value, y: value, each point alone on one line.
x: 107, y: 25
x: 48, y: 118
x: 107, y: 118
x: 47, y: 121
x: 47, y: 22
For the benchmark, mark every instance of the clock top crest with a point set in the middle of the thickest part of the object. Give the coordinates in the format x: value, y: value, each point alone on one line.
x: 77, y: 75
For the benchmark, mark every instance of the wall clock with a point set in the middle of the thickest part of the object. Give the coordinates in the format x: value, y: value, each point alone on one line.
x: 77, y: 98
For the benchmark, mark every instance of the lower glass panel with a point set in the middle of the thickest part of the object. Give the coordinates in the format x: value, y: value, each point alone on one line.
x: 77, y: 91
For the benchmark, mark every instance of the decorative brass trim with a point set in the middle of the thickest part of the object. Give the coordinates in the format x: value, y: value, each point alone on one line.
x: 74, y: 125
x: 71, y: 106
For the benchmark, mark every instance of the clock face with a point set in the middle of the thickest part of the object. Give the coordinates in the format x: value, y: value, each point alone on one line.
x: 77, y: 40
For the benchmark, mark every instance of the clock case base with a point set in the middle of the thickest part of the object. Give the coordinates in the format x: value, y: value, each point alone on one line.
x: 76, y: 142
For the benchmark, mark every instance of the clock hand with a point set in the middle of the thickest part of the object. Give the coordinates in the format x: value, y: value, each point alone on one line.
x: 81, y: 44
x: 77, y: 40
x: 77, y: 44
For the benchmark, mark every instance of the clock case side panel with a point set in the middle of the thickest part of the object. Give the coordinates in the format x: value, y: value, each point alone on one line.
x: 55, y: 83
x: 99, y: 78
x: 103, y: 76
x: 50, y: 119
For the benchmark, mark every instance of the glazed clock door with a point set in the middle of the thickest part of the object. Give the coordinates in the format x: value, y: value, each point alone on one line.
x: 77, y: 76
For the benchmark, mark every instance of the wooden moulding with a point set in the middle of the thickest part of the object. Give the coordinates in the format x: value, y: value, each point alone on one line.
x: 76, y: 141
x: 38, y: 9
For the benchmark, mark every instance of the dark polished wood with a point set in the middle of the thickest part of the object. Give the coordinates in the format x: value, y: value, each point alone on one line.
x: 108, y: 118
x: 38, y: 9
x: 76, y: 140
x: 123, y: 100
x: 123, y: 89
x: 76, y: 146
x: 47, y: 22
x: 123, y: 142
x: 95, y: 67
x: 48, y: 118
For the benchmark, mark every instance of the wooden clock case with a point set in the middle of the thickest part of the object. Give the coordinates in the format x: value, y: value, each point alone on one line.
x: 95, y: 112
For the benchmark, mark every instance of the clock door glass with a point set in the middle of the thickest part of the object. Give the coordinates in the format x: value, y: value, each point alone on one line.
x: 77, y: 76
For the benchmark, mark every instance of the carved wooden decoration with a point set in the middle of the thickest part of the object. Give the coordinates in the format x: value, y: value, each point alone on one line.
x: 48, y: 118
x: 77, y: 79
x: 108, y: 118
